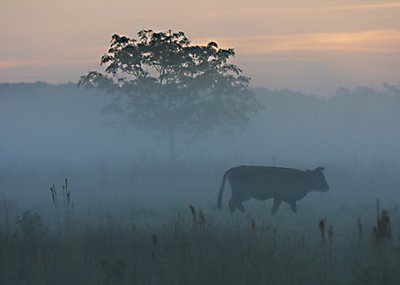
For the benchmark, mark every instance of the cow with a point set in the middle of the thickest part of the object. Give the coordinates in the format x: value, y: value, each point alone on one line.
x: 268, y: 182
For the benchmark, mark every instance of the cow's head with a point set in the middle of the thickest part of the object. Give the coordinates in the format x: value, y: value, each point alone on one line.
x: 318, y: 180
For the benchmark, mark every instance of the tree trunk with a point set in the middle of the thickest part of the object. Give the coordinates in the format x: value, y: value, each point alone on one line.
x: 172, y: 151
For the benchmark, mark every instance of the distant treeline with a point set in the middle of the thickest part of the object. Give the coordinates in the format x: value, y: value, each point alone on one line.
x: 355, y: 123
x: 388, y: 93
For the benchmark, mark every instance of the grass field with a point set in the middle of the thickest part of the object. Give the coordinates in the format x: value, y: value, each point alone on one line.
x: 131, y: 240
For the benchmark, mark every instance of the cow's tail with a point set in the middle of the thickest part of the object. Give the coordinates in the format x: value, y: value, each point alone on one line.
x: 221, y: 189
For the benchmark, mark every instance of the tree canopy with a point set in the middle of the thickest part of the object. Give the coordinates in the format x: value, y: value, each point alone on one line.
x: 164, y: 83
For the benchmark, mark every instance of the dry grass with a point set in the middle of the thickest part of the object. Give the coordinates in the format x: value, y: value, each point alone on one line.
x: 120, y: 240
x: 185, y: 249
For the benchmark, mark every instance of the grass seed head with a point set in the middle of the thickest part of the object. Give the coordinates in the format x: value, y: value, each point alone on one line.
x: 193, y: 211
x: 202, y: 219
x: 330, y: 233
x: 252, y: 225
x: 322, y: 229
x: 360, y: 229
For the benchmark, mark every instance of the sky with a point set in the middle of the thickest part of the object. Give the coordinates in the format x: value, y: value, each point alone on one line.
x: 312, y: 46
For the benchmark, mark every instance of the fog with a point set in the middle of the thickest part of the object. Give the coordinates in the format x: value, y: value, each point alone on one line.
x: 54, y: 131
x: 102, y: 188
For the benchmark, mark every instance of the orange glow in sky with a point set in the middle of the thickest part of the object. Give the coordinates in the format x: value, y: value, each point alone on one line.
x: 305, y: 45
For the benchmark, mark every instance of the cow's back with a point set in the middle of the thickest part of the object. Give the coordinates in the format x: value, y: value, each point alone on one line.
x: 264, y: 182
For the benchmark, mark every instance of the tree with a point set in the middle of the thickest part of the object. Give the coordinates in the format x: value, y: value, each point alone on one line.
x: 164, y: 83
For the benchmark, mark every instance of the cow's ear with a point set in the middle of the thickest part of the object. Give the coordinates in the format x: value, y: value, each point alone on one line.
x: 319, y: 168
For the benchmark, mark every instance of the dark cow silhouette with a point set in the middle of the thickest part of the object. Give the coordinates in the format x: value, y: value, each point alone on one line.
x: 265, y: 182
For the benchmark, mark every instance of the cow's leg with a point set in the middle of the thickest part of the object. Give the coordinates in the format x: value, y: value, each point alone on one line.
x: 275, y: 207
x: 232, y: 205
x: 240, y: 201
x: 235, y: 203
x: 240, y: 206
x: 237, y: 199
x: 293, y: 205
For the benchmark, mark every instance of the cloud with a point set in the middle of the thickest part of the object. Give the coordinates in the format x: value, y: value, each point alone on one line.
x: 379, y: 41
x: 288, y: 47
x: 358, y: 7
x: 273, y: 10
x: 40, y: 62
x: 73, y: 56
x: 12, y: 63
